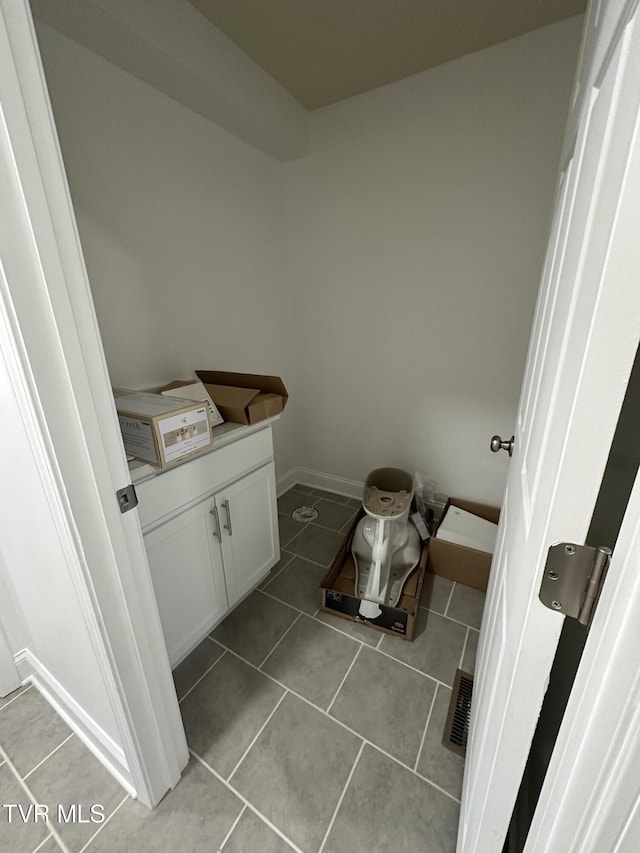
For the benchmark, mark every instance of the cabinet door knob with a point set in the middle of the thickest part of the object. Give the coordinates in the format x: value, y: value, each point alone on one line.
x: 227, y: 509
x: 216, y: 518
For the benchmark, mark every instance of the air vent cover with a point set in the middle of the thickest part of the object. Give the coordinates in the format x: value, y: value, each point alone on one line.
x: 456, y: 728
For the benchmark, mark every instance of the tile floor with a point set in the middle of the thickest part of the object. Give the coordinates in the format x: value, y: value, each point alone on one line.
x: 307, y: 732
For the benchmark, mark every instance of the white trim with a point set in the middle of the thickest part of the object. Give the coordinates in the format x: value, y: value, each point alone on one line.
x: 318, y: 480
x: 108, y: 753
x: 66, y: 394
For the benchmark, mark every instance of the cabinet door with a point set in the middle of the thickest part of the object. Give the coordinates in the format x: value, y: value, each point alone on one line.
x: 249, y: 521
x: 188, y: 578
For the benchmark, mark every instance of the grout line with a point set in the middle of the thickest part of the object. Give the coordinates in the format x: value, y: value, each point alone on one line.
x: 344, y: 791
x: 259, y: 732
x: 413, y: 668
x: 330, y: 529
x: 22, y: 692
x: 344, y: 725
x: 378, y: 645
x: 289, y: 541
x: 345, y: 526
x: 323, y: 497
x: 335, y: 695
x: 27, y: 790
x: 281, y: 601
x: 40, y: 763
x: 450, y: 618
x: 449, y: 599
x: 298, y: 617
x: 464, y: 648
x: 204, y: 674
x: 233, y: 826
x: 246, y: 802
x: 315, y: 562
x: 320, y: 621
x: 278, y: 573
x: 426, y: 726
x: 42, y: 843
x: 102, y: 825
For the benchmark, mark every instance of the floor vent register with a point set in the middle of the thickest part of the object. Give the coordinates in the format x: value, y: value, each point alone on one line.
x: 456, y: 729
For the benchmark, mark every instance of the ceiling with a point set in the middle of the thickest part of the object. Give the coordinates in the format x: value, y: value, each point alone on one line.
x: 322, y: 51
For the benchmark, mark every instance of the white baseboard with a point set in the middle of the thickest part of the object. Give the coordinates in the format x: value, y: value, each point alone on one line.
x: 108, y: 753
x: 318, y: 480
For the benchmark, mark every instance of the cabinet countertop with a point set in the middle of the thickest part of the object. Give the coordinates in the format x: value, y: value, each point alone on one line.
x: 224, y: 434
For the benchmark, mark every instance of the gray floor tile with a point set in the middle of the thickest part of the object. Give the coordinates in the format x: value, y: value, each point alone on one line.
x: 436, y: 648
x: 195, y: 665
x: 300, y: 487
x: 467, y: 605
x: 317, y: 544
x: 279, y: 566
x: 388, y: 808
x: 254, y: 627
x: 226, y: 710
x: 292, y: 500
x: 295, y: 772
x: 72, y: 775
x: 4, y: 700
x: 333, y: 515
x: 435, y: 592
x: 354, y: 629
x: 51, y: 846
x: 30, y: 729
x: 471, y: 649
x: 354, y: 502
x: 193, y: 818
x: 298, y: 585
x: 438, y: 763
x: 252, y: 835
x: 312, y: 660
x: 331, y: 496
x: 15, y: 834
x: 288, y: 528
x: 386, y: 703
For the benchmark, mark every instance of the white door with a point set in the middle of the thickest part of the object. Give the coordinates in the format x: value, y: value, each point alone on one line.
x: 249, y: 530
x: 584, y: 339
x: 188, y: 578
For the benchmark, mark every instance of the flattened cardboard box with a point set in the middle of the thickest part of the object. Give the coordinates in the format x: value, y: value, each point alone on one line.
x: 337, y: 593
x: 162, y: 430
x: 458, y: 562
x: 245, y: 398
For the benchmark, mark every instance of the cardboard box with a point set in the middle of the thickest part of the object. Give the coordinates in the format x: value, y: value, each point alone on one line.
x: 245, y: 398
x: 457, y: 562
x: 162, y: 430
x: 338, y: 594
x: 190, y: 390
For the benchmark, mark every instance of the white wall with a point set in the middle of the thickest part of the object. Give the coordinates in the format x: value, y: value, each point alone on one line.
x: 181, y: 226
x: 390, y: 277
x: 415, y: 233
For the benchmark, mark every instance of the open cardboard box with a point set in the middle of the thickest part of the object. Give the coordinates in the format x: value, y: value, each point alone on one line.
x: 458, y: 562
x: 337, y: 593
x: 244, y: 398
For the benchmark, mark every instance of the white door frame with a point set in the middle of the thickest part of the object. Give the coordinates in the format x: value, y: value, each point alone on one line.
x: 64, y: 388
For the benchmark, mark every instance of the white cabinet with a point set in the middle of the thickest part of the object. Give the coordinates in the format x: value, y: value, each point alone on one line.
x: 211, y: 532
x: 249, y: 534
x: 188, y: 578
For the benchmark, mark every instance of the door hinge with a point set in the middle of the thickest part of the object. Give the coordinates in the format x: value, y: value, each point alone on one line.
x: 572, y: 580
x: 127, y: 498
